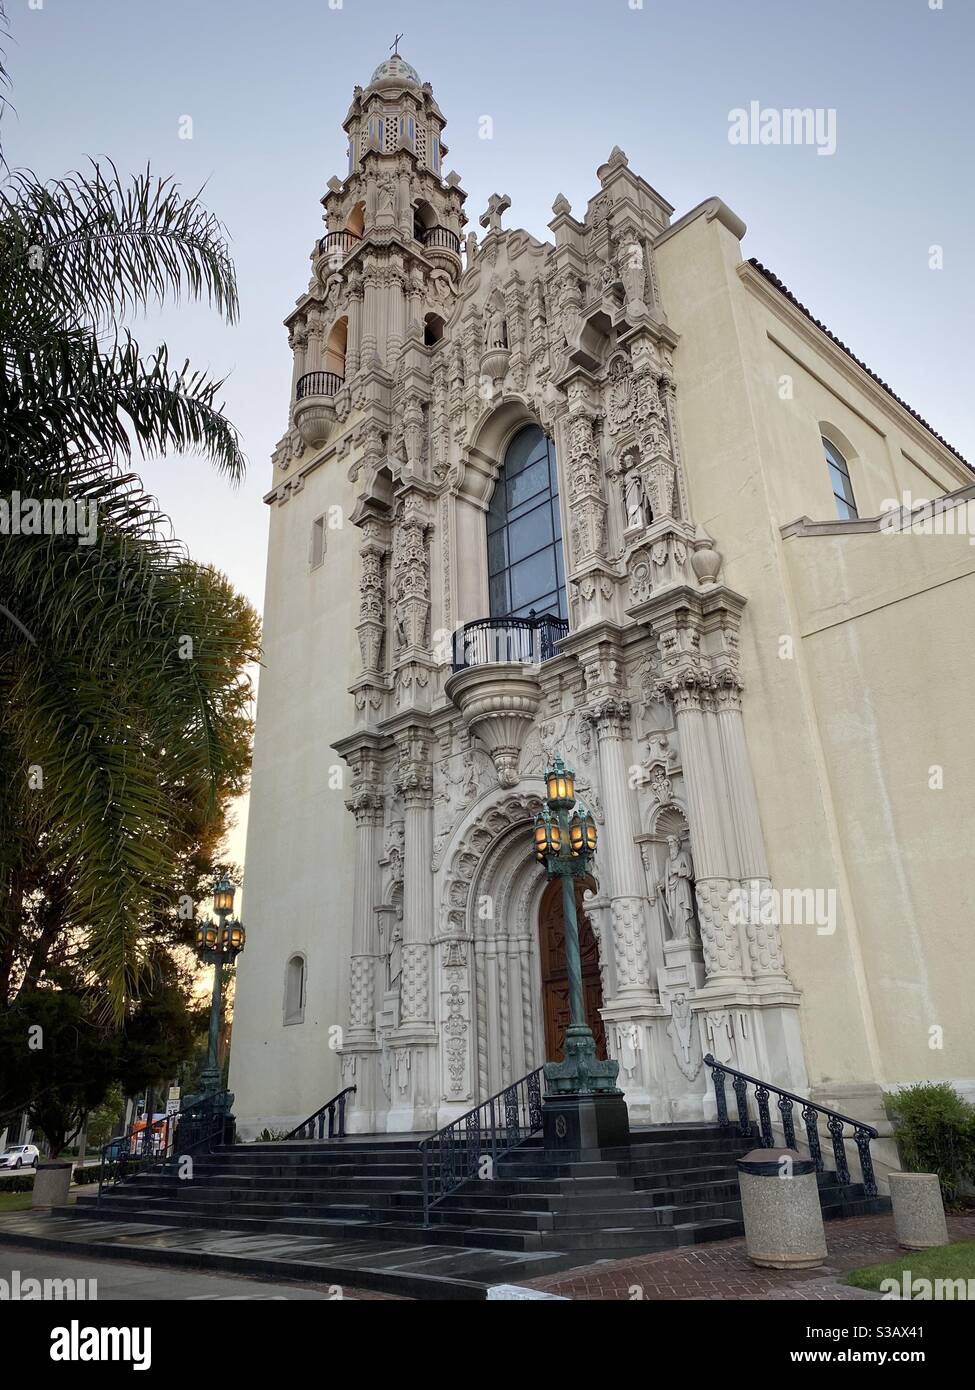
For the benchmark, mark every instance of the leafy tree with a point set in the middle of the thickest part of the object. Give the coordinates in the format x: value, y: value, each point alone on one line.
x: 124, y: 694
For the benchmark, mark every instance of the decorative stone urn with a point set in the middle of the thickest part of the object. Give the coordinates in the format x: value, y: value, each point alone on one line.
x: 498, y: 703
x: 314, y: 417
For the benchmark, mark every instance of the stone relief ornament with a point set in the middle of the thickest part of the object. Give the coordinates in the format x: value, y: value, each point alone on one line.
x: 628, y: 1048
x: 683, y: 1036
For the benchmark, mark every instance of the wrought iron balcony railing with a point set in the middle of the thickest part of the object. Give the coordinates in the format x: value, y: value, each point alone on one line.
x: 338, y: 243
x: 441, y: 239
x: 524, y: 641
x: 318, y: 384
x: 786, y: 1101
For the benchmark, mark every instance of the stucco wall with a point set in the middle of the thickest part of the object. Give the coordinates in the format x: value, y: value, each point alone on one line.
x: 300, y: 837
x: 828, y: 773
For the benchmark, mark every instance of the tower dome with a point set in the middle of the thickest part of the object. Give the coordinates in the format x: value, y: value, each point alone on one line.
x: 397, y: 69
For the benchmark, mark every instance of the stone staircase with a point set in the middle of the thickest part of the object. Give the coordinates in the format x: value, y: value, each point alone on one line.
x: 351, y: 1210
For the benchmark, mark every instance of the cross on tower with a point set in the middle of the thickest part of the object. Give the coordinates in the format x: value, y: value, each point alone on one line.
x: 497, y: 204
x: 394, y: 46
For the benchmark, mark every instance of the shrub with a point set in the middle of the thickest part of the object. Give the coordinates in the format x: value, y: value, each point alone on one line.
x: 18, y: 1184
x: 269, y: 1136
x: 935, y: 1133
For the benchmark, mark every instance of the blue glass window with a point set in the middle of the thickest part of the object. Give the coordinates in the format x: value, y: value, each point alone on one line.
x: 524, y: 534
x: 839, y: 478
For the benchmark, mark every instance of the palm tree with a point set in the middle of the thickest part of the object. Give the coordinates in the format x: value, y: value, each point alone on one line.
x: 123, y: 693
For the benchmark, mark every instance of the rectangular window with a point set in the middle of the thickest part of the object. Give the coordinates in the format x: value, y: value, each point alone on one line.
x: 317, y: 542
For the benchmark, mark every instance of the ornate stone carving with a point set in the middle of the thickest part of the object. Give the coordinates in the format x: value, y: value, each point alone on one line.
x: 719, y: 937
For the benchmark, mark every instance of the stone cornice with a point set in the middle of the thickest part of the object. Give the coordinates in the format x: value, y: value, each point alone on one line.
x: 715, y: 211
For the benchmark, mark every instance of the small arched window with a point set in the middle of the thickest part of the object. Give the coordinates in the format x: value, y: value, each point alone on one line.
x: 433, y: 327
x: 839, y: 477
x: 526, y: 571
x: 335, y: 346
x: 294, y: 990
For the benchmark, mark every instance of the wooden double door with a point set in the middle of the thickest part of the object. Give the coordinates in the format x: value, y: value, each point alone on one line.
x: 555, y: 982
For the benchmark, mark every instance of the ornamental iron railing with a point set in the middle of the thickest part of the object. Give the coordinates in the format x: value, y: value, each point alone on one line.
x: 525, y: 641
x: 153, y: 1146
x: 338, y: 243
x: 318, y: 384
x: 441, y: 239
x: 330, y: 1117
x: 455, y: 1153
x: 836, y: 1122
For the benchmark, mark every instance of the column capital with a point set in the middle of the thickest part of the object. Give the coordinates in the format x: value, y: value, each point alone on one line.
x: 366, y: 804
x: 609, y: 717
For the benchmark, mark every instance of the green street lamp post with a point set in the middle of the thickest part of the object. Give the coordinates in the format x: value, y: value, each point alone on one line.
x: 218, y: 943
x: 565, y: 841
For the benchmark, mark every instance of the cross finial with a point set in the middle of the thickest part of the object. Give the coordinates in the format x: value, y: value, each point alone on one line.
x: 394, y: 46
x: 497, y: 204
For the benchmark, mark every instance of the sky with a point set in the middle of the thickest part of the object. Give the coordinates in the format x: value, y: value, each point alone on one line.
x: 267, y: 83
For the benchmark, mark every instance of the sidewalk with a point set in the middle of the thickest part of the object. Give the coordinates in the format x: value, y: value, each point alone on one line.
x: 722, y: 1270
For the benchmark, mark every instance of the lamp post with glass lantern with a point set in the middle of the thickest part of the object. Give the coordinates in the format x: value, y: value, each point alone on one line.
x: 565, y: 841
x: 583, y: 1105
x: 218, y: 943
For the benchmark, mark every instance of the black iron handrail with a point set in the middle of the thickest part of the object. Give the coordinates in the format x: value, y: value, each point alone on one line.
x: 836, y: 1122
x: 527, y: 641
x: 317, y: 1121
x: 319, y: 384
x: 338, y: 243
x: 442, y: 239
x: 492, y: 1129
x: 150, y: 1145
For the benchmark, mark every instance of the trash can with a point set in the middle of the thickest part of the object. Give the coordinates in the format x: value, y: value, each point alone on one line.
x: 781, y: 1210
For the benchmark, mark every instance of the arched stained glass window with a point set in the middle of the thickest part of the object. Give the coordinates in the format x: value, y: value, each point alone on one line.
x: 526, y: 571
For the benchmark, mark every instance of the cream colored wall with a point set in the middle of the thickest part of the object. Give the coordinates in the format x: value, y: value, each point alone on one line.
x: 884, y: 620
x: 753, y: 463
x: 298, y: 867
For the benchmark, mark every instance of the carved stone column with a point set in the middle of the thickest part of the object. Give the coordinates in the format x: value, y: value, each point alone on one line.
x: 762, y: 938
x: 367, y: 807
x: 618, y: 845
x: 690, y: 693
x: 413, y: 1104
x: 415, y: 784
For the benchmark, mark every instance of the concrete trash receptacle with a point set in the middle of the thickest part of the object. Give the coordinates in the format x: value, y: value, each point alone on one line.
x: 781, y: 1210
x: 919, y: 1212
x: 52, y: 1183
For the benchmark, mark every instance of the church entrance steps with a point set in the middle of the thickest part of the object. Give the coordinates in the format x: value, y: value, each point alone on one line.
x: 363, y: 1197
x: 412, y: 1271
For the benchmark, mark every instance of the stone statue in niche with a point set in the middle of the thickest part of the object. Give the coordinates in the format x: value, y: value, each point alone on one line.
x: 635, y: 500
x: 394, y: 957
x: 677, y: 890
x: 495, y: 334
x: 386, y: 196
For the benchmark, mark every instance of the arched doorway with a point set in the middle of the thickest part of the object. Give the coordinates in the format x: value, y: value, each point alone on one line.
x: 555, y: 983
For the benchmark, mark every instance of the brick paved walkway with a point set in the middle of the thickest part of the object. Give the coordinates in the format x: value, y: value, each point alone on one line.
x: 722, y: 1270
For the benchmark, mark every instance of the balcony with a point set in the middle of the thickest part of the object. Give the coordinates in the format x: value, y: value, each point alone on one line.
x: 338, y: 245
x: 513, y: 641
x: 314, y: 412
x: 441, y: 239
x: 319, y: 384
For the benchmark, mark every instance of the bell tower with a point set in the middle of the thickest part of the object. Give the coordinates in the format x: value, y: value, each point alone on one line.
x: 391, y: 254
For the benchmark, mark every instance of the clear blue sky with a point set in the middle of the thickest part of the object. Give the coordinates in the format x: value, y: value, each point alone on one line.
x: 267, y: 83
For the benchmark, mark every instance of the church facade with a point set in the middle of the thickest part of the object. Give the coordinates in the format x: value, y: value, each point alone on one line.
x: 613, y: 496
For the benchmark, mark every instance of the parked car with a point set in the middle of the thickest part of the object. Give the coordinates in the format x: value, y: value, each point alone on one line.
x: 20, y: 1156
x: 115, y: 1148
